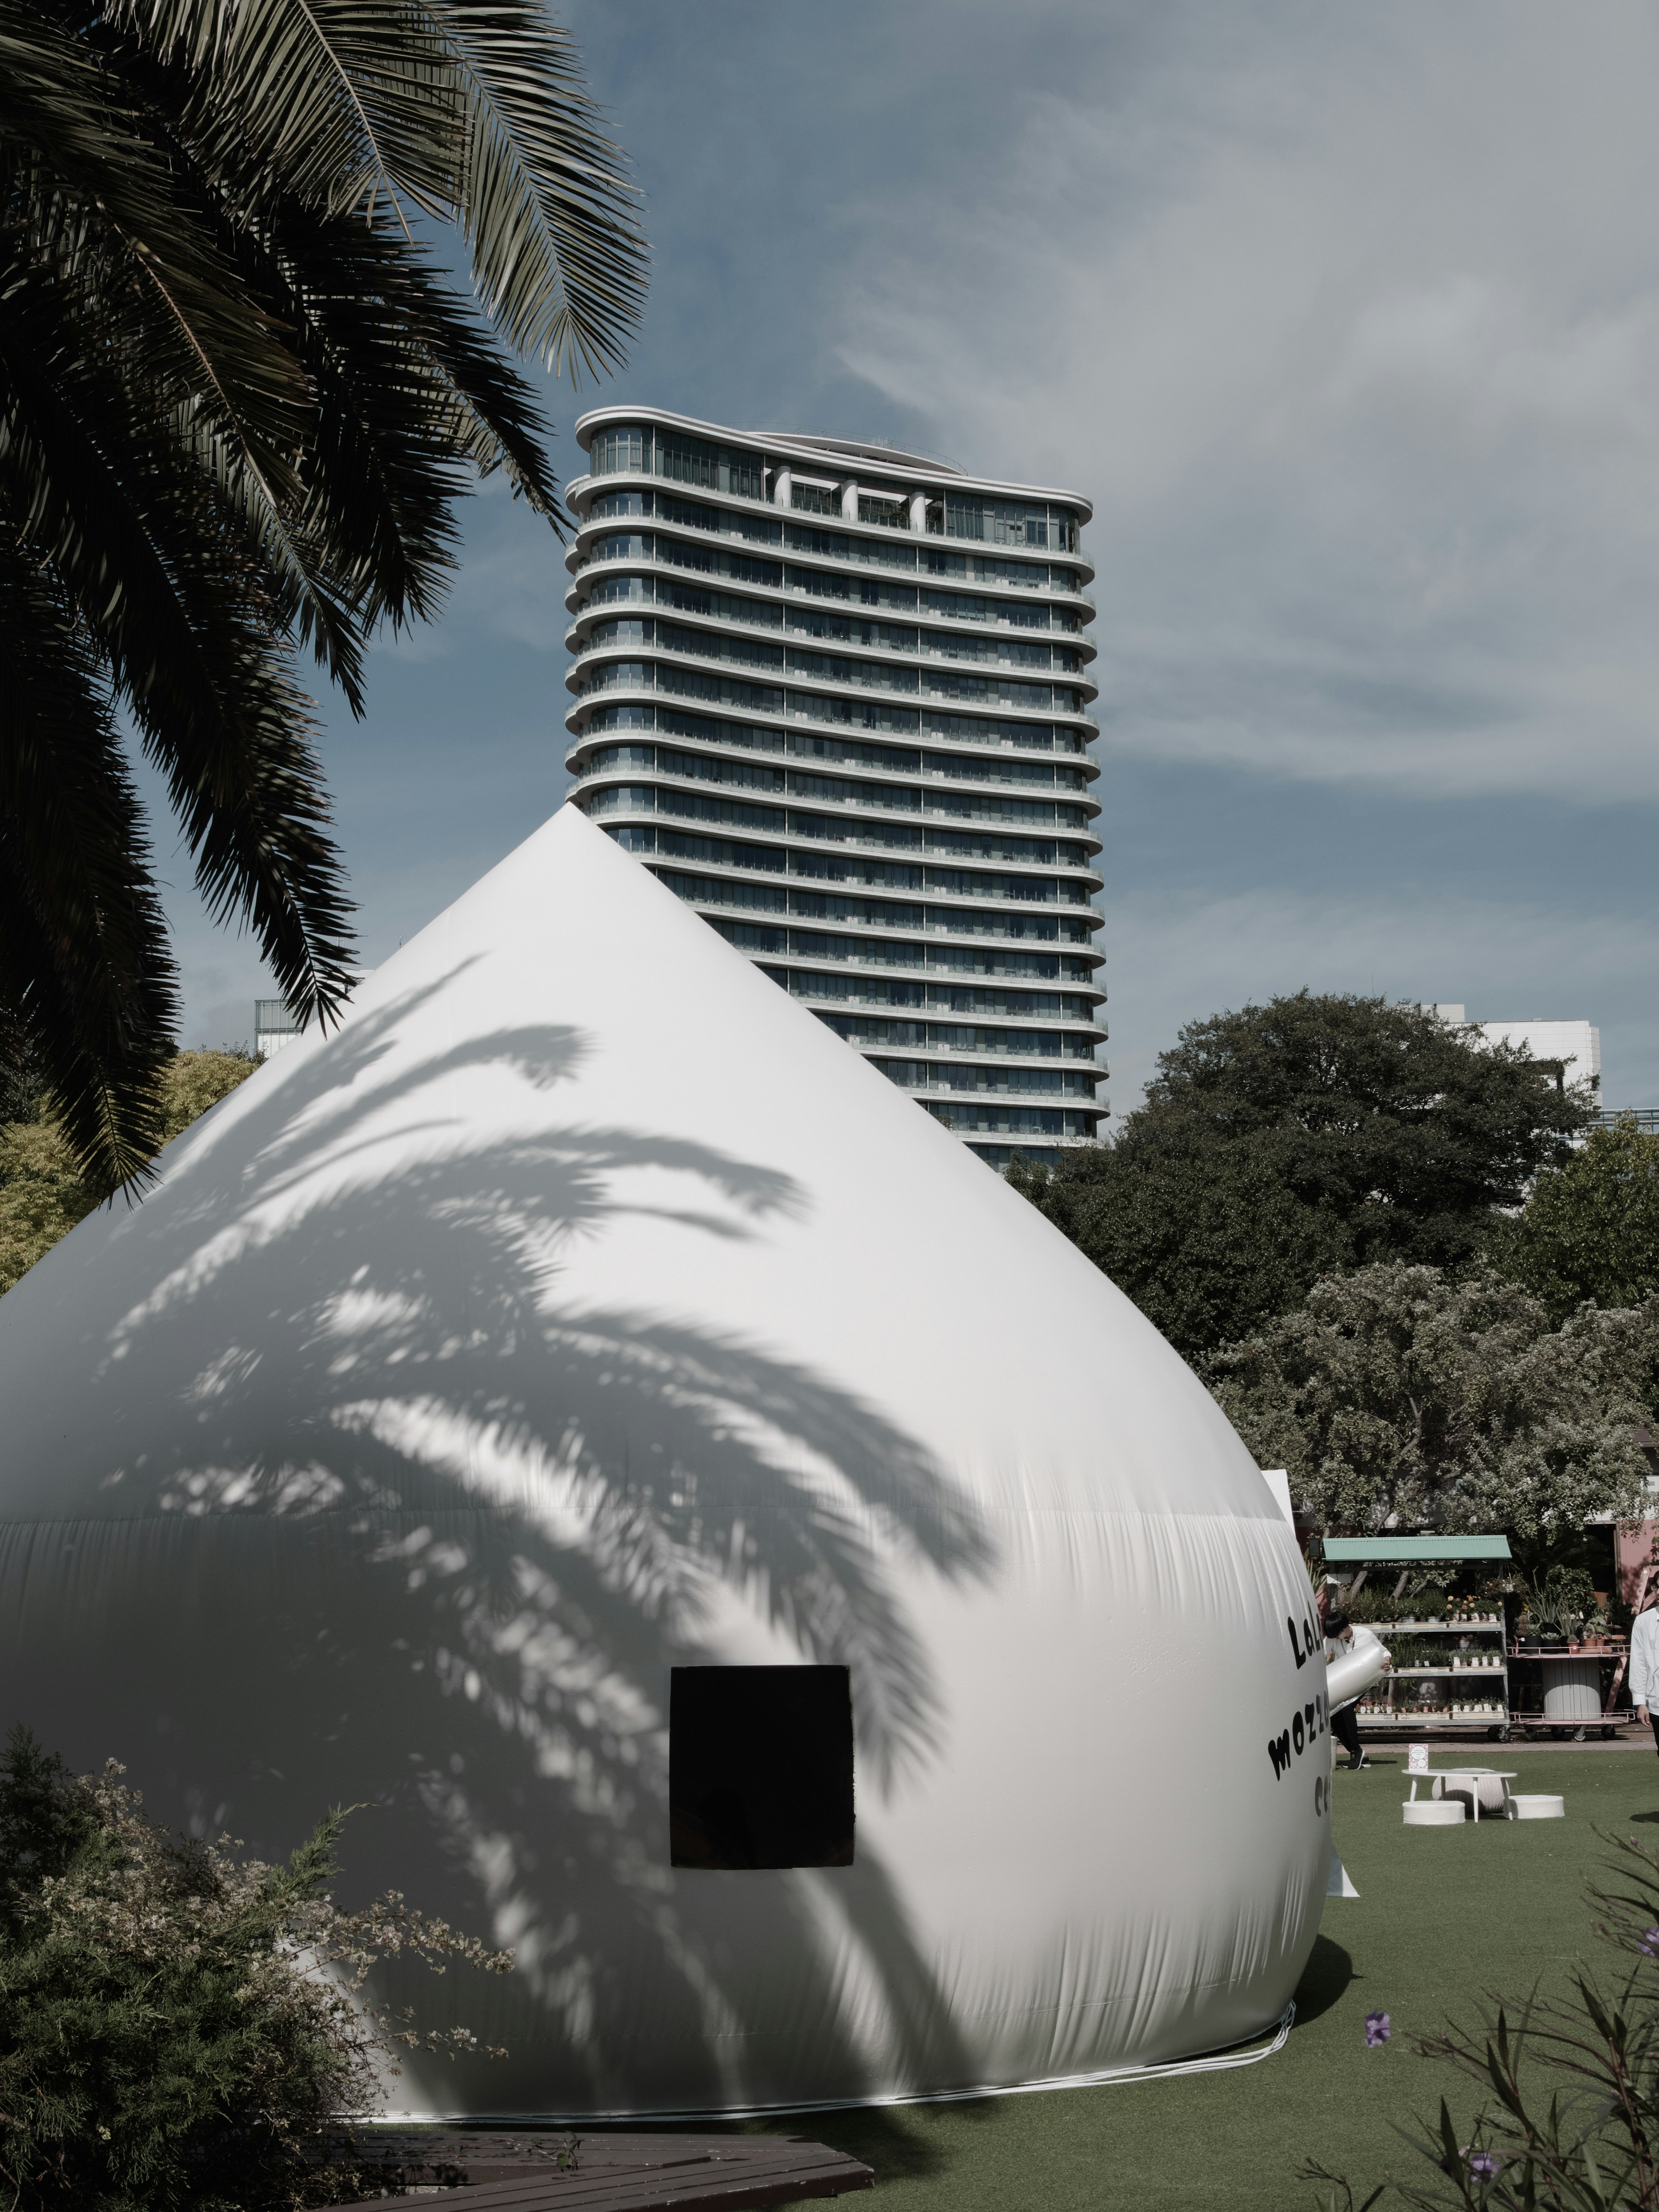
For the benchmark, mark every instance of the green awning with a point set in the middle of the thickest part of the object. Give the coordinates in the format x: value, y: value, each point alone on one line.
x: 1380, y: 1551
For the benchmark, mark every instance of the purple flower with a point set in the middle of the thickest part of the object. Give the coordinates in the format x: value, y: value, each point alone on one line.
x: 1649, y: 1942
x: 1483, y: 2166
x: 1378, y: 2029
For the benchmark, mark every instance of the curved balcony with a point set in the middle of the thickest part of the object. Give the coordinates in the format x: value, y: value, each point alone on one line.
x: 892, y: 670
x: 799, y: 741
x: 940, y: 828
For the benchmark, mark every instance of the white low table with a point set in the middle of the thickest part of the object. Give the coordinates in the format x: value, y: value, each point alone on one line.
x: 1471, y: 1774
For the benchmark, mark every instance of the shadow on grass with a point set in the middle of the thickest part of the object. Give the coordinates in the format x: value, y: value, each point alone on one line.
x: 885, y: 2139
x: 889, y: 2141
x: 1329, y: 1971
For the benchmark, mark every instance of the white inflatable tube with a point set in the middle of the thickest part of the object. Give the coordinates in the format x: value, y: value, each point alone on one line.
x: 1352, y: 1675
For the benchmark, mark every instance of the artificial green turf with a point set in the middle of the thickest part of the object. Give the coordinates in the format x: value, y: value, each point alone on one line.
x: 1442, y: 1915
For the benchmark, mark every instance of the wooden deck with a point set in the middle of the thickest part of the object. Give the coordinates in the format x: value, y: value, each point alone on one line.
x: 523, y: 2172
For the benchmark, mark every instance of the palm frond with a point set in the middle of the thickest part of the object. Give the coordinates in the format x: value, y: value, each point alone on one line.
x: 410, y: 392
x: 170, y: 591
x: 336, y: 101
x: 109, y: 211
x: 474, y: 110
x: 86, y: 977
x: 238, y: 404
x: 116, y: 216
x: 544, y: 202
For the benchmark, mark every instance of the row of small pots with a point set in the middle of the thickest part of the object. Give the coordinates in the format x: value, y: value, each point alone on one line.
x: 1548, y: 1646
x: 1455, y: 1621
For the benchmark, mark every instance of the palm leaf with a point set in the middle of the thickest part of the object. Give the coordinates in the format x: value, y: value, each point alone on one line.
x: 238, y: 403
x: 108, y: 208
x: 473, y: 109
x: 337, y: 101
x: 119, y: 213
x: 157, y: 571
x: 86, y: 977
x: 410, y: 390
x: 544, y: 202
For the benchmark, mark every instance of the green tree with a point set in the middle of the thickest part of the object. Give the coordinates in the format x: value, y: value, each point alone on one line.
x: 1280, y: 1143
x: 43, y: 1194
x: 193, y: 1081
x: 1590, y: 1228
x: 238, y: 404
x: 1404, y: 1395
x: 44, y: 1191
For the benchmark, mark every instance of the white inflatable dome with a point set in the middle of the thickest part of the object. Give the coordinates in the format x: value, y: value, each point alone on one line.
x: 579, y: 1336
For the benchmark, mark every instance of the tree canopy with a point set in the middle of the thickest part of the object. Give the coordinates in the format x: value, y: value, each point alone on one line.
x: 44, y: 1190
x: 1282, y: 1143
x: 1590, y: 1228
x: 1401, y: 1393
x: 239, y: 401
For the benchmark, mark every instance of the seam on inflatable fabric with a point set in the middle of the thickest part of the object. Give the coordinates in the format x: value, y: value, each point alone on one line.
x: 1108, y: 2077
x: 478, y: 1502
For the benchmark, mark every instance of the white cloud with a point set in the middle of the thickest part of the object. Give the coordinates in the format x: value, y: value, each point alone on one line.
x: 1349, y: 323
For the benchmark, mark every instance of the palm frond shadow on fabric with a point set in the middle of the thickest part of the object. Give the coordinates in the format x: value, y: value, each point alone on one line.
x: 483, y: 1525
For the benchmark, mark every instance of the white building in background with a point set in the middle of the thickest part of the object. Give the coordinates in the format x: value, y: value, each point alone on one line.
x: 1574, y: 1048
x: 837, y: 698
x: 273, y: 1026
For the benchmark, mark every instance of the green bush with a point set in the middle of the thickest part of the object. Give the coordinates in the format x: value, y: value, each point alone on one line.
x: 180, y: 2026
x: 43, y: 1190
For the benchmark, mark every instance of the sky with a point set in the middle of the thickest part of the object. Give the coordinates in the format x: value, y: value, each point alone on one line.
x: 1346, y: 320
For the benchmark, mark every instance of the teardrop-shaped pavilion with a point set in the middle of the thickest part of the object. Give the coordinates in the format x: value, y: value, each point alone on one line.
x: 581, y: 1310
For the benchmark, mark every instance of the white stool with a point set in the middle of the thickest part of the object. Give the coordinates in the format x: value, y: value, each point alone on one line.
x: 1433, y: 1813
x: 1538, y: 1808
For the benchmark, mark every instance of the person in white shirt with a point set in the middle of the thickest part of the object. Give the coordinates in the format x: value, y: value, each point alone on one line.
x: 1341, y: 1635
x: 1644, y: 1664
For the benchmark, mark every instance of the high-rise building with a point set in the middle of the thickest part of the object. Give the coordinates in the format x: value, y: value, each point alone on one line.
x: 837, y: 697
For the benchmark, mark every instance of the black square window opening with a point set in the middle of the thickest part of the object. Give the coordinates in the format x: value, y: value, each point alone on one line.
x: 760, y: 1766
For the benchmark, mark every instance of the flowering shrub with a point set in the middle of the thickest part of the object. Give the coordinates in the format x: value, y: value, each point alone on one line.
x: 179, y: 2025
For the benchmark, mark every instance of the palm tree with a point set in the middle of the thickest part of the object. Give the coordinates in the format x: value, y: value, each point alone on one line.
x: 238, y: 404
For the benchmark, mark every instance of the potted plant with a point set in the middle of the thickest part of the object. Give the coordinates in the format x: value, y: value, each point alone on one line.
x: 1555, y: 1598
